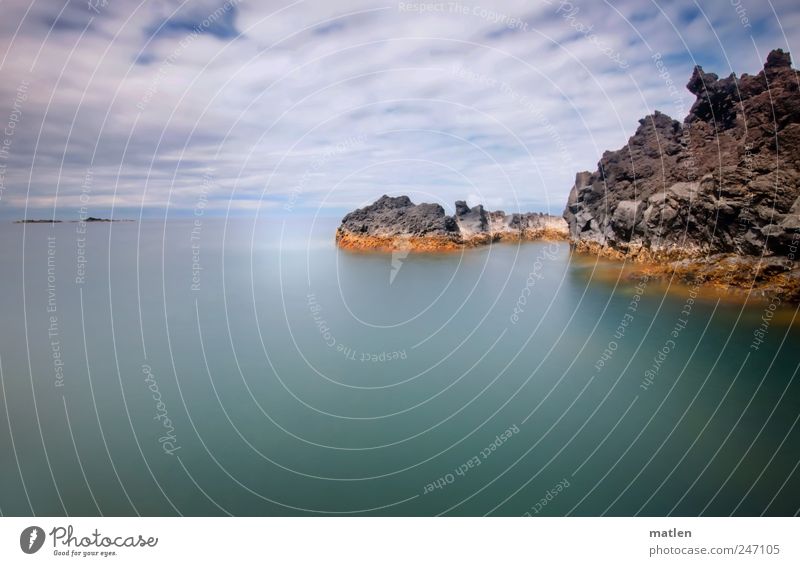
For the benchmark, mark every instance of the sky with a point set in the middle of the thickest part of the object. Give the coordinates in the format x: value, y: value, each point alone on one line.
x: 165, y: 108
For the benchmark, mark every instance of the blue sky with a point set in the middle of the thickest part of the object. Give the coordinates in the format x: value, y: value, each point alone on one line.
x: 297, y: 107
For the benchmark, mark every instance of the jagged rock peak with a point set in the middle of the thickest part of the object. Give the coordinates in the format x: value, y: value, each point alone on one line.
x: 707, y: 185
x: 778, y: 58
x: 461, y: 208
x: 392, y: 202
x: 700, y: 80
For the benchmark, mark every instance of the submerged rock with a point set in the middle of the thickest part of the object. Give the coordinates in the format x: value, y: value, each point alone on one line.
x: 397, y: 223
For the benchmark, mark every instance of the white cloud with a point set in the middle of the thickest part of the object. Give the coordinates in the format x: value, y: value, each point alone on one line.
x: 536, y: 102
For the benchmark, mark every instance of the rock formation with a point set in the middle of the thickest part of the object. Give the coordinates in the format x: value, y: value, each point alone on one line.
x: 393, y: 223
x: 723, y: 184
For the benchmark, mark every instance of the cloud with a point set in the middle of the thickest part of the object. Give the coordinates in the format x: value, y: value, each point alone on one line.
x: 219, y: 23
x: 299, y: 106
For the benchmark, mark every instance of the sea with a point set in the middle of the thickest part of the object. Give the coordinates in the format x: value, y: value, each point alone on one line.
x: 246, y: 366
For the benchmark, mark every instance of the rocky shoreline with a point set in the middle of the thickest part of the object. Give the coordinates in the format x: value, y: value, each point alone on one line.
x: 712, y: 200
x: 396, y: 223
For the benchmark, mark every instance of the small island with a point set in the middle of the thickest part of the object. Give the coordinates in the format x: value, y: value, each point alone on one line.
x: 396, y: 223
x: 56, y: 221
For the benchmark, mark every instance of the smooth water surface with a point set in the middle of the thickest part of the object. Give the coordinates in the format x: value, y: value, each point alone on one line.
x: 205, y: 367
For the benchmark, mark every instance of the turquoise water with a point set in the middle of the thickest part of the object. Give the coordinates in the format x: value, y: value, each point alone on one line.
x: 250, y: 368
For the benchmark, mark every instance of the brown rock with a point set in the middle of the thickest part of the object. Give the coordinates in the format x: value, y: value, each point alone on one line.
x: 724, y: 183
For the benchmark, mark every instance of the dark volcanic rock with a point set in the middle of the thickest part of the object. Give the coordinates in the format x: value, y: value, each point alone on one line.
x: 398, y: 216
x: 726, y: 180
x: 396, y: 222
